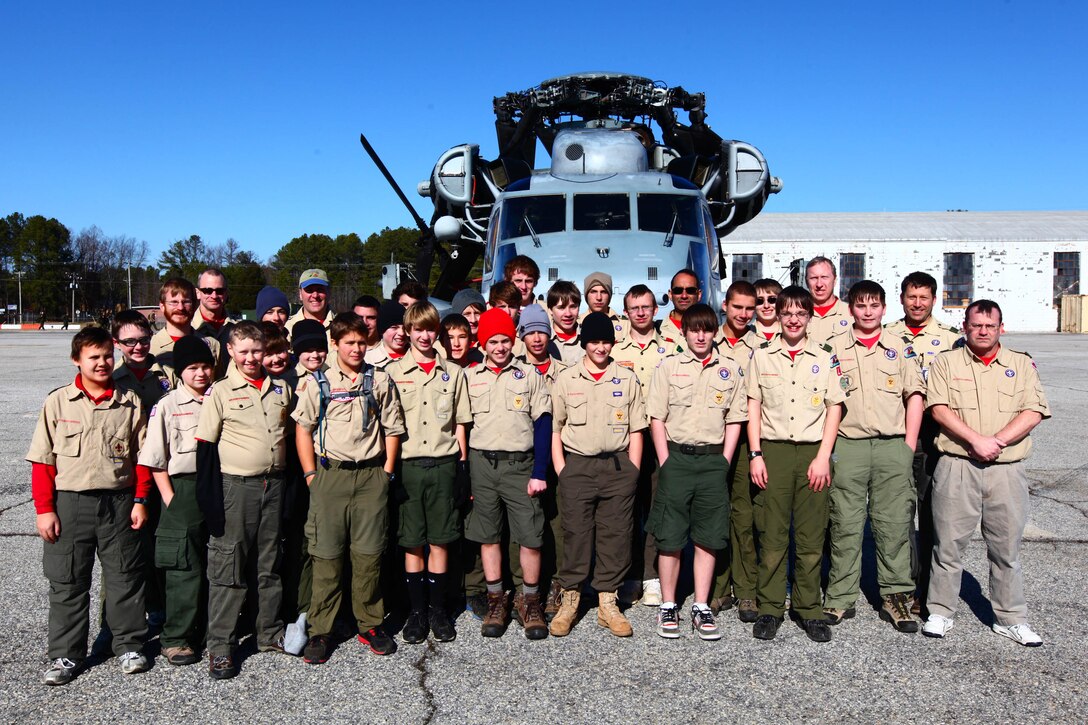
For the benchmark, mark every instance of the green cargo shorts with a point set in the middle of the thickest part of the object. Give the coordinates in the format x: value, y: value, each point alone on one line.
x: 692, y: 500
x: 429, y: 516
x: 499, y: 485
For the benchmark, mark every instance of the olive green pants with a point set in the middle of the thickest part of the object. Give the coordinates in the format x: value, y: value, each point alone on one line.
x: 788, y: 497
x: 181, y: 543
x: 871, y: 474
x: 738, y: 569
x: 328, y: 592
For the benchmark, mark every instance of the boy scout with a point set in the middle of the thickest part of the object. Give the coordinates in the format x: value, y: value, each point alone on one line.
x: 830, y: 315
x: 987, y: 399
x: 177, y: 299
x: 766, y: 322
x: 457, y: 341
x: 272, y: 306
x: 795, y: 404
x: 929, y: 337
x: 434, y: 397
x: 470, y: 304
x: 598, y: 421
x: 524, y: 274
x: 89, y: 499
x: 696, y: 406
x: 181, y: 536
x: 508, y: 460
x: 597, y: 291
x: 684, y: 291
x: 348, y: 438
x: 877, y: 439
x: 139, y: 371
x: 394, y: 340
x: 738, y: 568
x: 563, y: 302
x: 244, y: 418
x: 277, y: 354
x: 642, y: 352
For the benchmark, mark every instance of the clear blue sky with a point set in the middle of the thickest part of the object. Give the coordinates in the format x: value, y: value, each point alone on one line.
x: 161, y: 120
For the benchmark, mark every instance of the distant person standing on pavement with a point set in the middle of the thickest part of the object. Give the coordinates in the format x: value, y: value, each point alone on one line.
x: 830, y: 315
x: 987, y: 399
x: 41, y: 320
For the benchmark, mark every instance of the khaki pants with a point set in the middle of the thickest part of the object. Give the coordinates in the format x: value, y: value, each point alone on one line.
x: 965, y: 492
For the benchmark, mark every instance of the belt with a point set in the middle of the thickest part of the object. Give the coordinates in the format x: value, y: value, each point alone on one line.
x: 357, y: 465
x: 424, y: 462
x: 494, y: 456
x: 692, y: 450
x: 603, y: 456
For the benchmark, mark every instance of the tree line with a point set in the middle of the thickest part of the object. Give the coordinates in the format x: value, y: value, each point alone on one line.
x: 48, y: 259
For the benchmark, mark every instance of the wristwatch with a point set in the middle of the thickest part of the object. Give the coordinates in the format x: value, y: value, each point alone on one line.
x: 139, y: 499
x: 752, y: 455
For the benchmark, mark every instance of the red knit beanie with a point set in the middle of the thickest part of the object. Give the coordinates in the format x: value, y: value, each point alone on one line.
x: 495, y: 322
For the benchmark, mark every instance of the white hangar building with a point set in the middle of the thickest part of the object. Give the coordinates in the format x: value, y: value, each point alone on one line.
x: 1022, y: 260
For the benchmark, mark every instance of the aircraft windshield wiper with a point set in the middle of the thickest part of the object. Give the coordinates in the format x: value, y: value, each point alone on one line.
x: 672, y: 228
x: 532, y: 232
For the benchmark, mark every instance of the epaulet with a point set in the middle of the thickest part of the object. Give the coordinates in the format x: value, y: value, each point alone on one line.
x: 764, y: 345
x: 59, y: 387
x: 954, y: 329
x: 473, y: 364
x: 959, y: 343
x: 825, y: 347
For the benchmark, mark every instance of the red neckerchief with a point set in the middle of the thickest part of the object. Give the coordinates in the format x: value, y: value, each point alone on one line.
x: 566, y: 336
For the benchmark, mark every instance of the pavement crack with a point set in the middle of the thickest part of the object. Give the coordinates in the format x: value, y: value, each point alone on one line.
x: 14, y: 505
x: 13, y: 534
x: 424, y: 673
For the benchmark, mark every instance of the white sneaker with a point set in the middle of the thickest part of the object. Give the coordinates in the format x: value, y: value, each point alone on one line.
x: 937, y: 626
x: 651, y: 592
x: 1019, y: 633
x: 133, y: 662
x: 294, y: 639
x: 60, y: 672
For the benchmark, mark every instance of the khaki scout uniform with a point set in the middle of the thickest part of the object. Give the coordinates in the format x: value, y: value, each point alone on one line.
x: 93, y: 448
x: 873, y: 466
x: 155, y: 384
x: 348, y: 499
x: 838, y: 320
x: 935, y: 338
x: 595, y: 420
x: 619, y: 322
x: 181, y: 537
x: 570, y: 351
x: 986, y: 398
x: 794, y: 396
x: 301, y: 315
x: 739, y: 571
x: 505, y: 406
x: 162, y: 347
x: 379, y: 356
x: 205, y: 329
x: 695, y: 402
x: 434, y: 404
x: 670, y: 332
x: 249, y: 427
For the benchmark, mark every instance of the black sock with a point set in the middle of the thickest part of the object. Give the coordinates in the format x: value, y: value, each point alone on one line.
x: 416, y: 594
x: 494, y: 587
x: 437, y: 589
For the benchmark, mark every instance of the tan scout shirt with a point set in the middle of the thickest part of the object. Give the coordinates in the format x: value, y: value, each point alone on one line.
x: 935, y: 338
x: 92, y: 446
x: 171, y: 433
x: 327, y: 322
x: 837, y: 321
x: 377, y: 356
x: 794, y: 394
x: 986, y: 397
x: 695, y: 401
x: 434, y: 404
x: 156, y: 383
x: 672, y: 334
x: 570, y: 351
x: 249, y: 425
x: 162, y: 347
x: 740, y: 353
x: 504, y: 406
x: 345, y: 439
x: 877, y: 384
x: 619, y: 322
x: 642, y: 360
x: 557, y: 366
x: 597, y: 416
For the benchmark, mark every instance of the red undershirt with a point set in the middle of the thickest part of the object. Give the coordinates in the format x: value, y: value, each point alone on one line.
x: 566, y: 336
x: 987, y: 360
x: 543, y: 367
x: 916, y: 330
x: 869, y: 341
x: 255, y: 382
x: 822, y: 311
x: 427, y: 367
x: 768, y: 335
x: 597, y: 376
x: 138, y: 372
x: 793, y: 354
x: 394, y: 355
x: 216, y: 322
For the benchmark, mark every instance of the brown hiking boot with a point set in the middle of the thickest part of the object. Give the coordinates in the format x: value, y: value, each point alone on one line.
x: 555, y: 598
x: 528, y: 612
x: 495, y: 620
x: 896, y: 610
x: 610, y: 616
x: 722, y: 603
x: 748, y: 611
x: 568, y: 610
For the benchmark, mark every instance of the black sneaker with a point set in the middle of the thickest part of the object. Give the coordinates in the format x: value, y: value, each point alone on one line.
x: 221, y: 667
x: 818, y: 630
x: 441, y: 627
x: 317, y: 650
x: 415, y: 628
x: 766, y: 627
x: 378, y: 641
x: 477, y: 605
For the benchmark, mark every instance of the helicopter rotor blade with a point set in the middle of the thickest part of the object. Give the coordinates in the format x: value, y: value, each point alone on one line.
x: 423, y: 226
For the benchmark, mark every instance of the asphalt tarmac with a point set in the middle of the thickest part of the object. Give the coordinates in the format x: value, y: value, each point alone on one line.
x: 867, y: 673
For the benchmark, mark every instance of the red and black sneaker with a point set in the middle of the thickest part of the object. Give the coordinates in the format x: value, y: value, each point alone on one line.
x: 317, y: 651
x: 378, y: 641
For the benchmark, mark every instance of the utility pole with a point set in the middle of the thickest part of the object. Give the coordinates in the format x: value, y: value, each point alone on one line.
x: 73, y: 284
x: 129, y: 265
x: 19, y: 273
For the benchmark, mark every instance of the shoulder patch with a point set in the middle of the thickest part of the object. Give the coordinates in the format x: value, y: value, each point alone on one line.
x: 908, y: 352
x: 955, y: 330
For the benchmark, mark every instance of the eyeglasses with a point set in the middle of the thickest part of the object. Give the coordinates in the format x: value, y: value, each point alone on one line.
x: 641, y: 308
x: 178, y: 304
x: 213, y: 290
x: 798, y: 315
x: 767, y: 300
x: 684, y: 290
x: 134, y: 341
x: 979, y: 328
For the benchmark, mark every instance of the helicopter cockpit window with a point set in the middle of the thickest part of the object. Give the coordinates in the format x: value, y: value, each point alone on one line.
x: 527, y: 216
x: 602, y: 212
x: 669, y: 212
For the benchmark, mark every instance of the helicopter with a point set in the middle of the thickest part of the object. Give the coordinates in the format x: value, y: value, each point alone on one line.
x: 613, y: 198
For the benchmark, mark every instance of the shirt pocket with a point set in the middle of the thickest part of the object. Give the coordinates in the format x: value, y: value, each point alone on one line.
x: 889, y: 378
x: 718, y: 395
x: 577, y: 410
x: 849, y: 379
x: 119, y: 446
x: 517, y: 397
x: 479, y: 399
x: 1010, y: 398
x: 443, y: 405
x: 185, y: 435
x: 66, y: 442
x: 618, y: 410
x: 772, y: 391
x: 962, y: 394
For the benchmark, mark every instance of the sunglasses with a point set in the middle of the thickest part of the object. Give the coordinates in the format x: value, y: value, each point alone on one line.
x: 768, y: 300
x: 134, y: 341
x: 213, y: 290
x: 684, y: 290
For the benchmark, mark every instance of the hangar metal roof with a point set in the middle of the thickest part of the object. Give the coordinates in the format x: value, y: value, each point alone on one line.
x: 968, y: 226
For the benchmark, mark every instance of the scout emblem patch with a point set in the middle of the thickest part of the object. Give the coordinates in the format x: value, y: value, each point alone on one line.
x: 935, y: 343
x: 518, y: 400
x: 844, y: 323
x: 890, y: 382
x: 660, y: 351
x: 518, y: 375
x: 718, y: 398
x: 118, y: 448
x: 278, y: 390
x: 891, y: 354
x: 844, y: 382
x: 815, y: 369
x: 908, y: 352
x: 445, y: 377
x: 615, y: 381
x: 1010, y: 373
x: 619, y: 416
x: 723, y: 373
x: 619, y: 327
x: 816, y: 400
x: 164, y: 384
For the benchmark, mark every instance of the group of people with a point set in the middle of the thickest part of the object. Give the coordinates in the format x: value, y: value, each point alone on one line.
x: 274, y: 475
